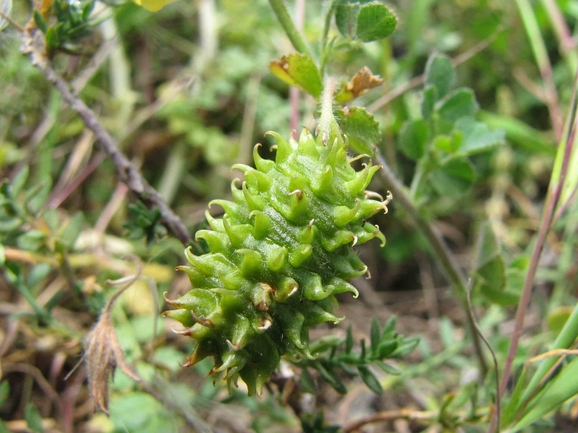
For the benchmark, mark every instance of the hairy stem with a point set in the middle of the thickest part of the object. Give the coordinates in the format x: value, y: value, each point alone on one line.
x: 293, y: 34
x: 33, y: 46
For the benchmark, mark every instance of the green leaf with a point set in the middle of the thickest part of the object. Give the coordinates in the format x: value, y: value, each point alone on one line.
x: 386, y: 348
x: 453, y: 179
x: 3, y: 428
x: 324, y: 343
x: 40, y: 23
x: 298, y: 70
x: 389, y: 328
x: 306, y: 381
x: 6, y: 9
x: 458, y: 104
x: 477, y: 137
x: 10, y: 224
x: 428, y: 101
x: 439, y: 73
x: 446, y: 329
x: 349, y: 340
x: 447, y: 143
x: 375, y: 21
x: 509, y: 412
x: 413, y: 138
x: 406, y: 347
x: 374, y: 336
x: 4, y: 392
x: 87, y: 10
x: 72, y: 230
x: 52, y: 38
x: 31, y: 240
x: 557, y: 318
x: 38, y: 273
x: 370, y: 380
x: 346, y: 14
x: 33, y: 418
x: 519, y: 133
x: 360, y: 127
x: 36, y: 198
x: 19, y: 181
x: 490, y: 269
x: 389, y: 369
x: 563, y: 387
x: 330, y: 376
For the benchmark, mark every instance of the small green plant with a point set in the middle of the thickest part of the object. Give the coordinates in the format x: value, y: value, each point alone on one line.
x: 73, y: 23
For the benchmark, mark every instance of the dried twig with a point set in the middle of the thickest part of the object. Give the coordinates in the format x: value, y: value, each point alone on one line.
x: 391, y: 415
x: 420, y: 79
x: 33, y: 46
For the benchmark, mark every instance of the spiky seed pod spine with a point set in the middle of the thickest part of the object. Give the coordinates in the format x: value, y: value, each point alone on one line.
x: 278, y: 257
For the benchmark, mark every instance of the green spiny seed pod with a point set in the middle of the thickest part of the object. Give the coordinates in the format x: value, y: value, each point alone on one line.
x: 278, y: 257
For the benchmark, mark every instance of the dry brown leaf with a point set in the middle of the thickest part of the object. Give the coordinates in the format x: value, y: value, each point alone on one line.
x: 103, y: 353
x: 359, y: 85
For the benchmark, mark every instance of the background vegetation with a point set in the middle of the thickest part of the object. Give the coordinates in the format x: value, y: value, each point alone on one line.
x: 185, y: 93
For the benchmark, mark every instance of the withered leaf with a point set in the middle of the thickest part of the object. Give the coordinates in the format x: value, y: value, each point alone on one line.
x: 102, y: 355
x: 102, y: 351
x: 359, y: 85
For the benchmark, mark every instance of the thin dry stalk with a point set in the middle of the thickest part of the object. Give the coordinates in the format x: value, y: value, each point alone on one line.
x: 33, y: 46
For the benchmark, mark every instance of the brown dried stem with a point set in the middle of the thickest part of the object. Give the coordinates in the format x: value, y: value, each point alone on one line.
x: 391, y: 415
x: 33, y: 46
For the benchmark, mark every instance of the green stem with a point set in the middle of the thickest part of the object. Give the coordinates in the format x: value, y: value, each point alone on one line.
x: 287, y: 23
x: 541, y: 55
x: 567, y: 46
x: 565, y: 339
x: 555, y: 188
x: 443, y: 254
x: 327, y: 25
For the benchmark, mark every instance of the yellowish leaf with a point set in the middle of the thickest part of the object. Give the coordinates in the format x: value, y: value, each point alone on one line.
x: 153, y: 5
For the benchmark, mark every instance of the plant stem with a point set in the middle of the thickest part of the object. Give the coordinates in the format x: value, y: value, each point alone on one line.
x: 557, y: 183
x: 293, y: 34
x: 567, y: 46
x: 327, y: 25
x: 294, y: 93
x: 541, y: 56
x: 33, y: 46
x: 443, y: 254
